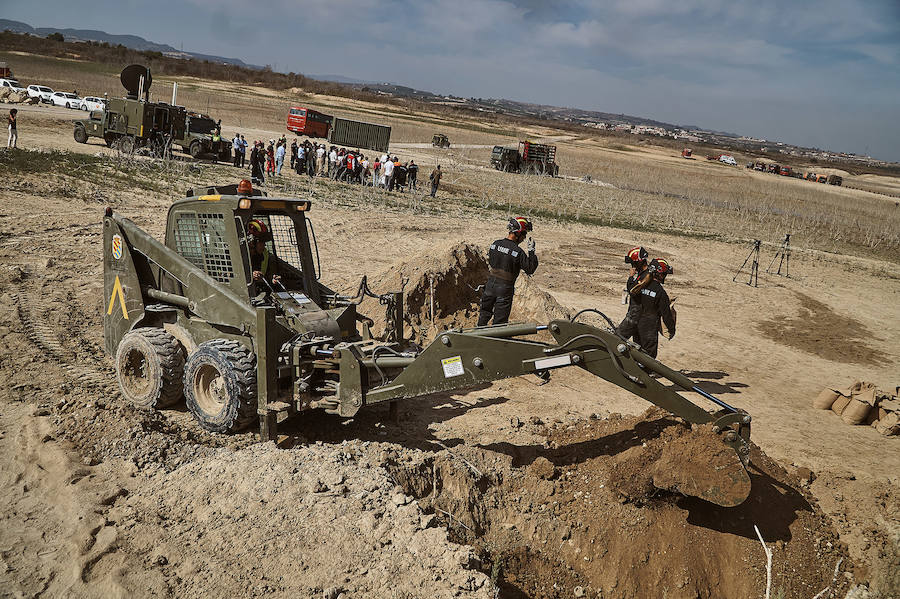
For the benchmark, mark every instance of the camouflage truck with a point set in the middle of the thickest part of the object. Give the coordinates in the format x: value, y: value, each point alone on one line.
x: 134, y: 122
x: 198, y: 140
x: 130, y: 124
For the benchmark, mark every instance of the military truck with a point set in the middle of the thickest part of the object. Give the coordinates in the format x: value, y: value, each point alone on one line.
x: 134, y: 122
x: 439, y: 140
x: 202, y: 316
x: 199, y: 131
x: 529, y: 158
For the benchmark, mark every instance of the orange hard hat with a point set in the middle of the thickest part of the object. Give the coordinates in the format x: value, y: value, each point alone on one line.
x: 245, y: 187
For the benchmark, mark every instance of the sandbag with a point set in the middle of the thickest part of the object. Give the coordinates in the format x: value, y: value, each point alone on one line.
x: 855, y: 412
x: 839, y: 404
x: 872, y: 418
x: 825, y: 399
x: 889, y: 425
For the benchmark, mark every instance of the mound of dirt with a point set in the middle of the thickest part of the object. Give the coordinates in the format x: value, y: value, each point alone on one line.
x: 441, y: 292
x: 580, y: 515
x: 307, y: 522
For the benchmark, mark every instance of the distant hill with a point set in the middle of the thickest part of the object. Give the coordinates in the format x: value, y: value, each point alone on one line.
x: 129, y: 41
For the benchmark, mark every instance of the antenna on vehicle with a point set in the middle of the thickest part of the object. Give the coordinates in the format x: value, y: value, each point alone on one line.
x: 136, y: 79
x: 174, y: 92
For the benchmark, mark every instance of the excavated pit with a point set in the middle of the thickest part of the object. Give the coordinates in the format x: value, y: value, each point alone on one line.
x: 580, y: 515
x: 441, y: 293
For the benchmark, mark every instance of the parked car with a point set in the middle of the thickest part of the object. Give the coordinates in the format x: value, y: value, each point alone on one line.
x: 41, y: 92
x: 12, y: 84
x: 66, y: 99
x: 92, y: 103
x: 726, y: 159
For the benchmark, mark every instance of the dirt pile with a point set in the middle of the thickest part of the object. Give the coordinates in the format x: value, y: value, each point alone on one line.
x: 579, y: 515
x: 295, y: 523
x: 442, y: 292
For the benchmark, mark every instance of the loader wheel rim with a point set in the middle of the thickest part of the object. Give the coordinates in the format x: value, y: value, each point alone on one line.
x: 210, y: 389
x: 135, y: 375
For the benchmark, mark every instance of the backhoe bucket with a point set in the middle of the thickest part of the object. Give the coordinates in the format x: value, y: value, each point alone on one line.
x: 699, y: 464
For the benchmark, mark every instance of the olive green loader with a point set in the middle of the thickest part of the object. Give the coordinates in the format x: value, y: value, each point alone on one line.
x: 185, y: 319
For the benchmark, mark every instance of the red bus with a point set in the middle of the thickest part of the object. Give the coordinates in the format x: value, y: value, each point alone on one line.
x: 304, y: 121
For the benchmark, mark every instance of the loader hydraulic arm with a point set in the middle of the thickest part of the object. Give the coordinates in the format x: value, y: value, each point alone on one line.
x: 460, y: 359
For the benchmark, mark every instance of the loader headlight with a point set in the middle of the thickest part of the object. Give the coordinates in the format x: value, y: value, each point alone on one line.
x: 244, y: 203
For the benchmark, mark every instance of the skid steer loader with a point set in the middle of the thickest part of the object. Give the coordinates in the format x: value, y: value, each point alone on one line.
x: 186, y: 318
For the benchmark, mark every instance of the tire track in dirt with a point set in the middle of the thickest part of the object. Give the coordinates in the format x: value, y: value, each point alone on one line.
x: 44, y: 337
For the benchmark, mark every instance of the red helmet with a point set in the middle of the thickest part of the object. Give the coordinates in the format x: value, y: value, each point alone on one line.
x: 259, y: 230
x: 661, y: 267
x: 636, y: 255
x: 519, y: 225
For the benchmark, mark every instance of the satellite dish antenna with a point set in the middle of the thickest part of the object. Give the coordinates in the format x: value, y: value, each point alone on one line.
x: 131, y: 80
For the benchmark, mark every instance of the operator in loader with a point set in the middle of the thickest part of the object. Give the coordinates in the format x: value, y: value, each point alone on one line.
x: 262, y: 262
x: 637, y: 258
x: 654, y: 303
x: 506, y: 259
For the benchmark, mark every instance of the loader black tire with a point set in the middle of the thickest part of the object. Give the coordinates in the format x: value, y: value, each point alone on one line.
x: 150, y: 368
x: 195, y: 149
x: 220, y: 386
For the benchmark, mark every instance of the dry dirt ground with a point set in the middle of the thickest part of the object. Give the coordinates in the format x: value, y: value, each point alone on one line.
x: 513, y: 489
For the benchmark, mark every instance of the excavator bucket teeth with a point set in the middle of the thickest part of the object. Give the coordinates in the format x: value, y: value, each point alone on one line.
x: 701, y: 465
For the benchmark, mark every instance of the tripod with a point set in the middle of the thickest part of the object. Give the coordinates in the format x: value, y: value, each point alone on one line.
x: 785, y: 253
x: 754, y: 266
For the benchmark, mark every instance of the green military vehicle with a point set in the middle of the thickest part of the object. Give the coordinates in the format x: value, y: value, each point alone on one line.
x: 439, y: 140
x: 203, y: 316
x: 529, y: 158
x: 200, y: 131
x: 134, y: 122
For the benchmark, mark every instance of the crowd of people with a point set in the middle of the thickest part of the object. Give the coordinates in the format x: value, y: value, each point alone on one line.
x: 340, y: 164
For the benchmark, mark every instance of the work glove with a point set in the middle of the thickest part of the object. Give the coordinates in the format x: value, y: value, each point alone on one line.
x: 530, y: 245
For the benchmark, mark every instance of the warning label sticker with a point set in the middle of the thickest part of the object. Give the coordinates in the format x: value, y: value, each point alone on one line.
x: 452, y: 367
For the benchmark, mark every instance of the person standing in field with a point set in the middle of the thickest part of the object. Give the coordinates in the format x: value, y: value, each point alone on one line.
x: 435, y: 179
x: 412, y: 172
x: 637, y: 258
x: 321, y: 160
x: 654, y: 304
x: 13, y: 138
x: 256, y: 171
x: 294, y: 150
x: 388, y: 168
x: 279, y: 158
x: 236, y: 149
x: 506, y: 260
x: 244, y: 145
x: 270, y: 158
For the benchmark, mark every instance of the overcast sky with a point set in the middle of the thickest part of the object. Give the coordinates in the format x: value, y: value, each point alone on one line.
x: 823, y: 73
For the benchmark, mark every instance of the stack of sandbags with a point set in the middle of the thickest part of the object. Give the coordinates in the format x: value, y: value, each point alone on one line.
x: 863, y: 403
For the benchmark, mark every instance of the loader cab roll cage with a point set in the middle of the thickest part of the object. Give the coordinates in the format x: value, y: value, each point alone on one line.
x: 210, y: 231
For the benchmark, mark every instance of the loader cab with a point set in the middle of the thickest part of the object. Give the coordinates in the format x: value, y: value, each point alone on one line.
x: 210, y: 231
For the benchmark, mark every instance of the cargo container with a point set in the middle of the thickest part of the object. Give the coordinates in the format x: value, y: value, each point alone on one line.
x: 356, y: 134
